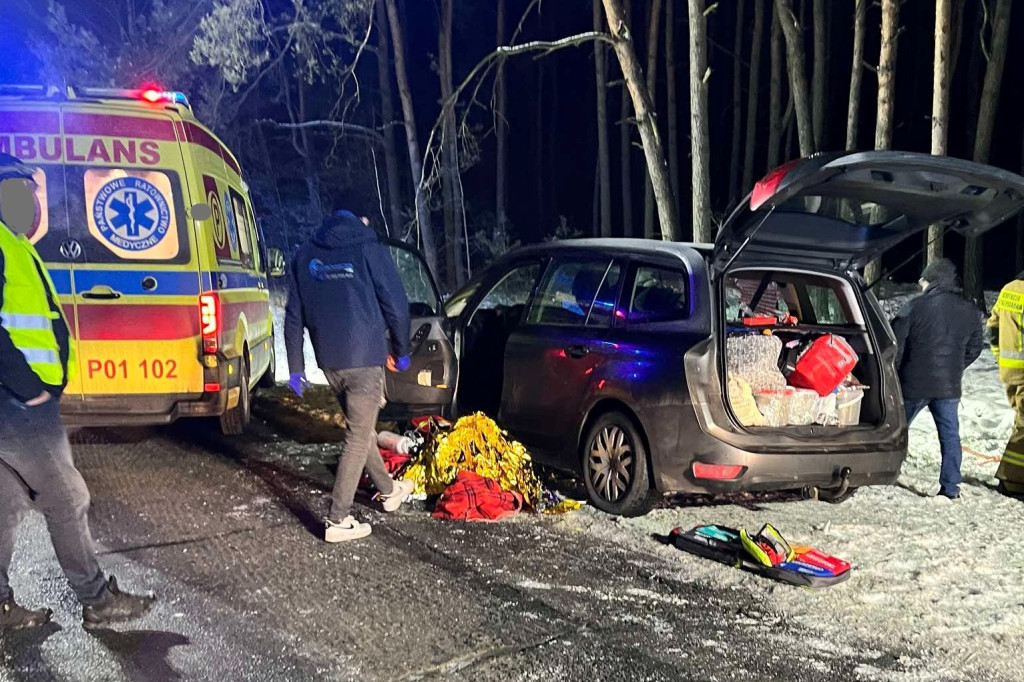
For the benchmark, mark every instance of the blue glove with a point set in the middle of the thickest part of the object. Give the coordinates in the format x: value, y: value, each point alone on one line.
x: 297, y: 382
x: 396, y: 364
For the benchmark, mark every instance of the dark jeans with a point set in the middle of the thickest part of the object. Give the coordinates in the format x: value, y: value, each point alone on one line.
x: 35, y: 462
x: 361, y: 395
x: 947, y: 422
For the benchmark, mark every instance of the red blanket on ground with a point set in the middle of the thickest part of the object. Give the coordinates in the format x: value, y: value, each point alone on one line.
x: 392, y: 460
x: 475, y: 498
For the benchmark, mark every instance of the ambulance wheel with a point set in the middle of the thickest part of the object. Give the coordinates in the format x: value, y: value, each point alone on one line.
x: 614, y: 464
x: 269, y: 378
x: 234, y: 421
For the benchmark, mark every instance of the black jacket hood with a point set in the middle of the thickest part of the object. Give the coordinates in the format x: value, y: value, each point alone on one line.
x: 343, y: 229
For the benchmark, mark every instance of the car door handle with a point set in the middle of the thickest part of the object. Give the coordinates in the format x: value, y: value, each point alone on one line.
x: 101, y: 292
x: 577, y: 351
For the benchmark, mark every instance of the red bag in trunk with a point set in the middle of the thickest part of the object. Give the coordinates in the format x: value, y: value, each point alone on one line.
x: 824, y: 365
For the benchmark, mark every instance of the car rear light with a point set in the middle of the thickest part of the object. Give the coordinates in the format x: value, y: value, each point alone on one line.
x: 209, y: 321
x: 767, y: 186
x: 718, y: 472
x: 212, y: 387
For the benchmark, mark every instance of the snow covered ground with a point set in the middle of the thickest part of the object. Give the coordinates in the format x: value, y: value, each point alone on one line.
x: 313, y: 373
x: 941, y: 581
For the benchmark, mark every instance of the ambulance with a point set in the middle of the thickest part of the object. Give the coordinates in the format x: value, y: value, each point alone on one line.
x: 147, y: 228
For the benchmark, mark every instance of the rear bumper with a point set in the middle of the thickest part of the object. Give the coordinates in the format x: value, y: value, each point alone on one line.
x: 782, y: 471
x: 148, y: 409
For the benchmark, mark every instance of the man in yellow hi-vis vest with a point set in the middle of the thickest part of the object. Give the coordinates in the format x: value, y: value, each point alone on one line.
x: 1006, y: 335
x: 35, y: 456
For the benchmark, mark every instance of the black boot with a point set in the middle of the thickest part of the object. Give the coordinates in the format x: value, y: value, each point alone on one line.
x: 14, y: 617
x: 115, y: 606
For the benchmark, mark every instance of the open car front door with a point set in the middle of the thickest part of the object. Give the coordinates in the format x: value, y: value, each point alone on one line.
x: 428, y: 386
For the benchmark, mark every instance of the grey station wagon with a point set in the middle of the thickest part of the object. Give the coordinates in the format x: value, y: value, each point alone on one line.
x: 609, y: 358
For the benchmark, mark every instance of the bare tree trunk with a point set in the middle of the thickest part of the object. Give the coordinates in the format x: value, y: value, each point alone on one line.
x: 886, y: 94
x: 940, y: 105
x: 775, y: 127
x: 818, y: 77
x: 673, y: 100
x: 451, y: 177
x: 795, y: 62
x: 426, y: 231
x: 752, y: 96
x: 973, y: 285
x: 501, y: 131
x: 387, y: 117
x: 654, y: 153
x: 700, y: 145
x: 957, y: 21
x: 653, y: 35
x: 626, y: 141
x: 860, y: 13
x: 737, y: 106
x: 603, y: 157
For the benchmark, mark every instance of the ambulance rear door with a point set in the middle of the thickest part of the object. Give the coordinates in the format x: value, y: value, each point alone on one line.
x: 136, y: 277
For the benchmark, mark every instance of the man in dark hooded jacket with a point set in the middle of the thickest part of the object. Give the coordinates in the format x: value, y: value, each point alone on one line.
x: 939, y: 335
x: 346, y: 290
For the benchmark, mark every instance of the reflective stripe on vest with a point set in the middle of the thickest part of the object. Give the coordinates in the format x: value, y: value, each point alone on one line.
x: 1014, y: 458
x: 23, y: 321
x: 26, y: 314
x: 36, y: 356
x: 1011, y: 359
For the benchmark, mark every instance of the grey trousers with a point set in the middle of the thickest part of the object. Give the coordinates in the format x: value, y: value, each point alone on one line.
x: 35, y: 461
x: 360, y: 393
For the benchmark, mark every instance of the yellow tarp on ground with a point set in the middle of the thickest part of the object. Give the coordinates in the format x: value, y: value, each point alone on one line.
x: 476, y: 443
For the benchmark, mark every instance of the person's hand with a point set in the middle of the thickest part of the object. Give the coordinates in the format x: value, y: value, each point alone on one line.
x: 39, y: 399
x: 297, y: 382
x: 396, y: 364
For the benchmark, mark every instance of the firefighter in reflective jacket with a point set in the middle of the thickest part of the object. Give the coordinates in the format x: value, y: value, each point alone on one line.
x: 1006, y: 335
x: 35, y: 456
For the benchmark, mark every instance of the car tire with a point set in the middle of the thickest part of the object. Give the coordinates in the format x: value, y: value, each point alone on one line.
x: 234, y: 421
x: 269, y: 378
x: 614, y: 465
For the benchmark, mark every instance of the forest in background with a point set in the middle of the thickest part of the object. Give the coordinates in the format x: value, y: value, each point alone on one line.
x: 471, y: 126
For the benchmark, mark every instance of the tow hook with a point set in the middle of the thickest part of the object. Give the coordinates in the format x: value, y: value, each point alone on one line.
x: 831, y: 494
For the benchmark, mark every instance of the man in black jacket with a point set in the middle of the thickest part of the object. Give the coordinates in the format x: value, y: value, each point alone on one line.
x: 346, y: 290
x: 939, y: 335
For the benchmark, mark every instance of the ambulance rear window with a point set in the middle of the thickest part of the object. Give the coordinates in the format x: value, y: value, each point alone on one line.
x: 127, y: 214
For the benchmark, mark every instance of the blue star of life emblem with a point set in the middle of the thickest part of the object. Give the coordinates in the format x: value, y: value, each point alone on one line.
x: 131, y: 214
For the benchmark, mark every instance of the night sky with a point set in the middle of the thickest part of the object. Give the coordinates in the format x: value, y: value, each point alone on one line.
x: 552, y: 129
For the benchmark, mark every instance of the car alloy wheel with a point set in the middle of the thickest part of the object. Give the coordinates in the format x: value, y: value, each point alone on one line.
x: 612, y: 463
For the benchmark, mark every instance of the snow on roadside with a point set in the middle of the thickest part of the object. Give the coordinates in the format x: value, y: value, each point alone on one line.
x: 313, y: 373
x: 938, y: 581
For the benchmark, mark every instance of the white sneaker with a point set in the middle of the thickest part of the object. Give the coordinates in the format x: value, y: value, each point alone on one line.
x: 349, y: 529
x: 401, y: 490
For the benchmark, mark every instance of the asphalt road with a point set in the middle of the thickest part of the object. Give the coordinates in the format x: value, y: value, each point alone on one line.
x: 226, y: 533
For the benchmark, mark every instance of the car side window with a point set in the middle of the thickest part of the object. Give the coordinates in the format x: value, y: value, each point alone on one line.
x: 603, y: 310
x: 514, y: 289
x: 417, y: 282
x: 828, y: 309
x: 659, y: 295
x: 568, y: 293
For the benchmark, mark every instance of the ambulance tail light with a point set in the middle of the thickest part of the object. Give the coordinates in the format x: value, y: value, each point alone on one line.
x: 209, y: 321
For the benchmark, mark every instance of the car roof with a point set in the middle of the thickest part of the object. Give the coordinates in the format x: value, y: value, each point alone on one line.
x: 640, y: 247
